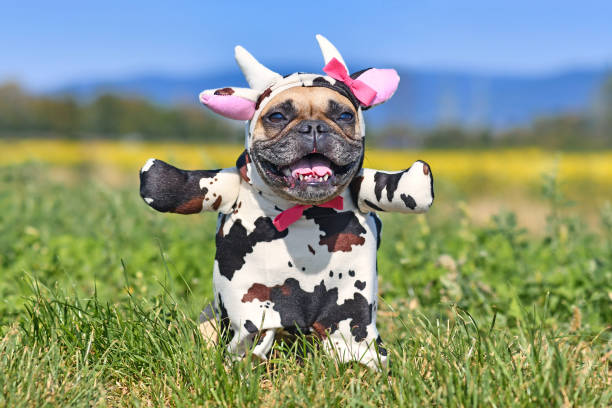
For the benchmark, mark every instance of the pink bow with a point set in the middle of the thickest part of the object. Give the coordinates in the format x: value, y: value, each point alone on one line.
x: 291, y: 215
x: 360, y: 89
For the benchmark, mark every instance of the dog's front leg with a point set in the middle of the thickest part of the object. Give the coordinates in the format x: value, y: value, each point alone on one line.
x: 407, y: 191
x: 168, y: 189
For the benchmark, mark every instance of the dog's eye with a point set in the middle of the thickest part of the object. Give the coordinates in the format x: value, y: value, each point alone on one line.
x: 346, y: 116
x: 276, y: 117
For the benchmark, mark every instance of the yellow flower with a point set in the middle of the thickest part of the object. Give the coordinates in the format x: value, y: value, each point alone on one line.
x: 471, y: 169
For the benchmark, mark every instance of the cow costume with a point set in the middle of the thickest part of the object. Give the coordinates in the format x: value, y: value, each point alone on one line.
x: 285, y: 267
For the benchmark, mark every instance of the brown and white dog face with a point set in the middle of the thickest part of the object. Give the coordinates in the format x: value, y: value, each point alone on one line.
x: 307, y: 145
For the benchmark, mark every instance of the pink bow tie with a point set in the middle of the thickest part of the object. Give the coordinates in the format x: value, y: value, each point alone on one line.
x: 360, y: 89
x: 291, y: 215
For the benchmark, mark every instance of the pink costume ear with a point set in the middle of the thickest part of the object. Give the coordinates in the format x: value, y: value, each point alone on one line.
x: 233, y: 103
x: 383, y: 81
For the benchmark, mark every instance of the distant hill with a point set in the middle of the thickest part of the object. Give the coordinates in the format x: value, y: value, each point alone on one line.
x: 425, y: 97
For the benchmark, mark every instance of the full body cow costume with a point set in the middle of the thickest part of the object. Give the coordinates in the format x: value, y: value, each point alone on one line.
x: 289, y: 266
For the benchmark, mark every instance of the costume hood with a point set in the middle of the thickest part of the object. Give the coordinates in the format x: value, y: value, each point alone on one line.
x: 365, y: 88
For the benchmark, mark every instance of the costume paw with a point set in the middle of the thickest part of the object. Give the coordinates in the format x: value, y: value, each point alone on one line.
x: 416, y: 187
x: 410, y: 190
x: 168, y: 189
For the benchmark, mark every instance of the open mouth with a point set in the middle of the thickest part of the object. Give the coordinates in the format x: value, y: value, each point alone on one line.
x: 314, y: 169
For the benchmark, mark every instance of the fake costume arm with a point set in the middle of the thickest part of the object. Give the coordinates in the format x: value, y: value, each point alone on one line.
x: 168, y: 189
x: 407, y: 191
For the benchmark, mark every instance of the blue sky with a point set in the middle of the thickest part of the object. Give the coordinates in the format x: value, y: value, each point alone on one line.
x: 45, y: 44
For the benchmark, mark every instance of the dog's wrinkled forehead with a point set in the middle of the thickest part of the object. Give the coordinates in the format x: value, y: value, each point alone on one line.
x: 313, y: 80
x: 364, y: 89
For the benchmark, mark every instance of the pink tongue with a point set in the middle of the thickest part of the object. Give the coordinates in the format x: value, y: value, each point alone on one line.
x: 311, y: 167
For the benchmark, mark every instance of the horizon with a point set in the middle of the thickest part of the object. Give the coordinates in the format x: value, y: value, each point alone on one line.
x: 71, y: 42
x: 164, y: 74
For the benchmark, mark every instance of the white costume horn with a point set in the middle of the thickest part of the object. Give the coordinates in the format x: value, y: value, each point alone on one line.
x: 258, y: 76
x: 329, y: 51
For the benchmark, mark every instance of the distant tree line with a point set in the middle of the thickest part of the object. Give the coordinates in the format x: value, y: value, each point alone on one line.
x: 576, y: 131
x: 111, y: 116
x: 107, y: 116
x: 568, y: 132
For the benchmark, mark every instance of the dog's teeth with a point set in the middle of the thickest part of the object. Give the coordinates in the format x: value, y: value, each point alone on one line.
x: 301, y: 177
x: 326, y: 177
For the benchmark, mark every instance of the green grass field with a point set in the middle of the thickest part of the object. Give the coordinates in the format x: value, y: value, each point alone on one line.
x: 99, y: 300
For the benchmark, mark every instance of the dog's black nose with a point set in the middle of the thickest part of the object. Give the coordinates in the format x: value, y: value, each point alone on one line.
x: 322, y: 127
x: 316, y: 132
x: 313, y: 126
x: 305, y: 127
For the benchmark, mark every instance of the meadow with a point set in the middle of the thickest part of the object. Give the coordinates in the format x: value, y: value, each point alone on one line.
x: 500, y: 296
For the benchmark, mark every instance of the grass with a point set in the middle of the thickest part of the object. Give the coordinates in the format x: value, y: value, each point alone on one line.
x: 100, y: 297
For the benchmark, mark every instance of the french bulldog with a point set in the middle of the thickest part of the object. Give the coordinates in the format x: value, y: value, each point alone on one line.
x: 306, y: 144
x: 297, y: 231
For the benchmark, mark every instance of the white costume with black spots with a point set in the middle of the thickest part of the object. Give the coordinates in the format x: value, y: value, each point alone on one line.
x: 317, y: 276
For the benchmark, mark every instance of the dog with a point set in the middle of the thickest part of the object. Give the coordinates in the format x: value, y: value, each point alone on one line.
x: 297, y: 232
